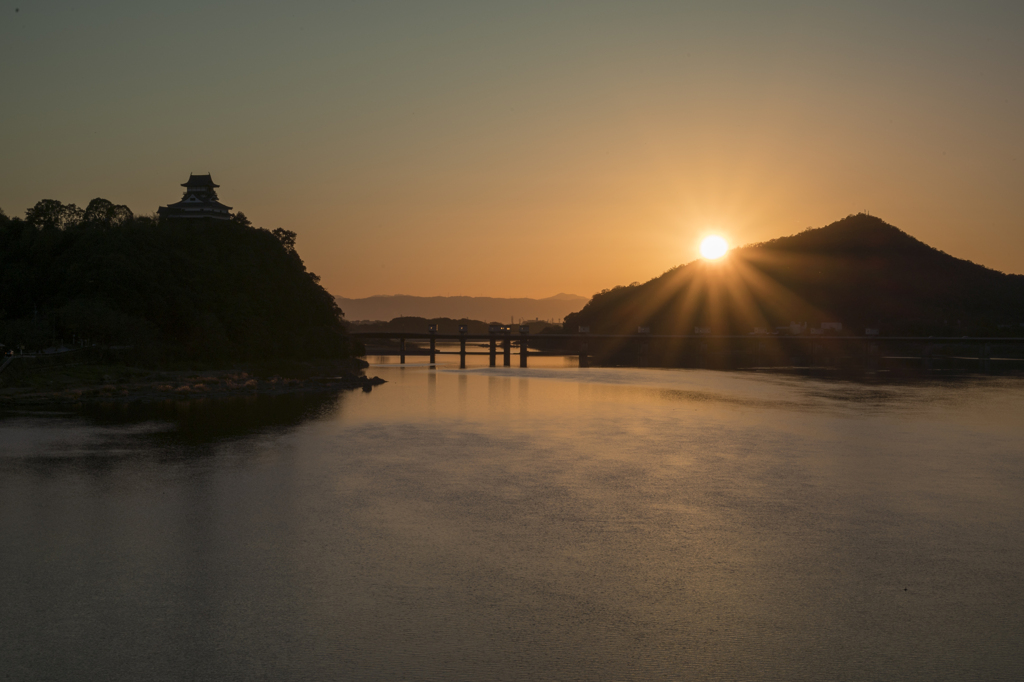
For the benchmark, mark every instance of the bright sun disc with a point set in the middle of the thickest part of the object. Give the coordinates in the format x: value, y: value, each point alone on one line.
x: 713, y: 247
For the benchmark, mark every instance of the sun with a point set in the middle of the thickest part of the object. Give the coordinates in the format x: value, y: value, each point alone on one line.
x: 713, y: 247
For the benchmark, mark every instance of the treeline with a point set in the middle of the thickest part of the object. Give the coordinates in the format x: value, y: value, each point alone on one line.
x: 209, y: 290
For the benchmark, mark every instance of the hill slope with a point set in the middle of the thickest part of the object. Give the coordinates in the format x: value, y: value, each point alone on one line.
x: 859, y: 271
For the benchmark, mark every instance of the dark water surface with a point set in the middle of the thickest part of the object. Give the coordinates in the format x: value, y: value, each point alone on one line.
x: 546, y: 523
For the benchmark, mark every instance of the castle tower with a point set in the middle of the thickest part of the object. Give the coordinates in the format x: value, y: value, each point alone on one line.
x: 199, y: 201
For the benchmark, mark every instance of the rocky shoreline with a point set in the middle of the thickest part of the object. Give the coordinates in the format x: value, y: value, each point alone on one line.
x: 87, y: 385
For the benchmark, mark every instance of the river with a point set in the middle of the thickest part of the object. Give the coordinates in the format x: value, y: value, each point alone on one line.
x: 522, y: 524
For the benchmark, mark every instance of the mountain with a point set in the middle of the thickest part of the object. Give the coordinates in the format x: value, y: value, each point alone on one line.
x: 860, y: 272
x: 473, y: 307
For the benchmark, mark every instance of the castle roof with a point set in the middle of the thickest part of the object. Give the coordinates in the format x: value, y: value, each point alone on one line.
x: 199, y: 205
x: 199, y: 181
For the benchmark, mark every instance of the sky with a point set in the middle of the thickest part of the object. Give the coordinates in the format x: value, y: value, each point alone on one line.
x: 528, y: 148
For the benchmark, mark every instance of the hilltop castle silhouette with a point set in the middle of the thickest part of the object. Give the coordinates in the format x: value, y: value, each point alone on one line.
x: 199, y: 201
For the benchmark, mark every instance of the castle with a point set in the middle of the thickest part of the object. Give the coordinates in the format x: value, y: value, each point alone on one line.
x: 199, y: 201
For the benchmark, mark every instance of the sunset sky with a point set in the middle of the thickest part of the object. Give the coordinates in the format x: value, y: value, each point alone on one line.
x: 526, y: 149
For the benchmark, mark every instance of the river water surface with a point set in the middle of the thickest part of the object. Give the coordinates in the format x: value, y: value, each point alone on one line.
x: 522, y: 524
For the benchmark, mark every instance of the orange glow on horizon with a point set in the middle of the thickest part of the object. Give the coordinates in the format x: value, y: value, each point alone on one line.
x: 477, y: 158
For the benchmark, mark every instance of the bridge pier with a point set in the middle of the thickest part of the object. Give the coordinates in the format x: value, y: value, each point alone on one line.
x: 401, y: 350
x: 584, y: 359
x: 494, y: 344
x: 643, y: 346
x: 506, y: 346
x: 462, y: 346
x: 524, y: 333
x: 433, y: 344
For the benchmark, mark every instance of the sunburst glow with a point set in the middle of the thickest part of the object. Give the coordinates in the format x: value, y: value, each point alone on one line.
x: 713, y: 247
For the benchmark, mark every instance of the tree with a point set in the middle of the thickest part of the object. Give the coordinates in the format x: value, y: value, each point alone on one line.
x: 50, y: 213
x: 104, y: 212
x: 240, y: 219
x: 286, y: 237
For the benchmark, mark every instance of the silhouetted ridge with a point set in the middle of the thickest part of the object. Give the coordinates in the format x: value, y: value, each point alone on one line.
x: 860, y: 272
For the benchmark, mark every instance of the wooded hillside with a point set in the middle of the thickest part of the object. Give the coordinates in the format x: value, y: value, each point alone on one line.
x: 174, y: 289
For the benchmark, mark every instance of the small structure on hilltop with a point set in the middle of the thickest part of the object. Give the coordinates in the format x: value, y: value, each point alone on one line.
x: 199, y: 201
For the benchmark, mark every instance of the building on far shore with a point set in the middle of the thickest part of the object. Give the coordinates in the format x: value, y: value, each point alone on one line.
x: 199, y: 201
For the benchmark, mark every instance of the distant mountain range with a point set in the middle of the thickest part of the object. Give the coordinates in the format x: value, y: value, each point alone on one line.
x: 859, y: 272
x: 487, y: 309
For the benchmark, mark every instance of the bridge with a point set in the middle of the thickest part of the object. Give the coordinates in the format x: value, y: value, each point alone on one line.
x: 497, y: 333
x: 857, y: 353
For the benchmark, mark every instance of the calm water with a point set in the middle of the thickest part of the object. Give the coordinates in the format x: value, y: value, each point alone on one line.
x: 548, y: 523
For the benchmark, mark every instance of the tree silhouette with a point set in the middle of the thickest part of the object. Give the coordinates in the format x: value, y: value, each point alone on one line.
x: 286, y: 237
x: 52, y: 214
x: 104, y: 212
x: 240, y: 219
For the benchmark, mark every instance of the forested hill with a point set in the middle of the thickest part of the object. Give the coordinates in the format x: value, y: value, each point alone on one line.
x: 201, y: 289
x: 859, y: 271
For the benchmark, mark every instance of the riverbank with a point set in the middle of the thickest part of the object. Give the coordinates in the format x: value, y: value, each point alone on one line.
x: 121, y: 383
